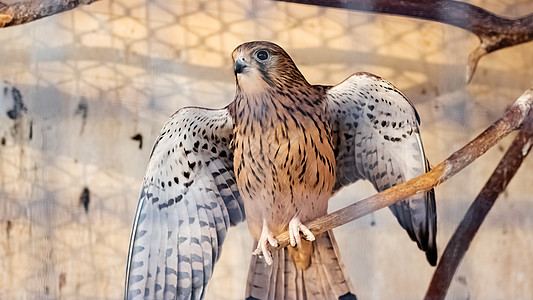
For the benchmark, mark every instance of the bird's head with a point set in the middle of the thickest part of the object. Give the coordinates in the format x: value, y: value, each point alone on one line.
x: 260, y: 64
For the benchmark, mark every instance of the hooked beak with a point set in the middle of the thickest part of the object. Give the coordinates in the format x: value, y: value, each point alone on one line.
x: 239, y: 66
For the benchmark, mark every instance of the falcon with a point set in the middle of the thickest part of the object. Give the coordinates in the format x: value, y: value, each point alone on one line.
x: 276, y: 155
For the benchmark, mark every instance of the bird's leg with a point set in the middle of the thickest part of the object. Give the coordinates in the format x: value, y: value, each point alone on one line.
x: 267, y: 237
x: 295, y: 227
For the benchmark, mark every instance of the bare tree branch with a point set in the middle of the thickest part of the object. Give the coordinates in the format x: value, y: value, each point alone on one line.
x: 494, y: 32
x: 460, y: 241
x: 27, y: 11
x: 511, y: 120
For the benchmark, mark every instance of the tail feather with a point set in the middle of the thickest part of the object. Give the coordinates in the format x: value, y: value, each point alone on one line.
x: 324, y: 279
x: 275, y: 271
x: 258, y: 276
x: 316, y: 283
x: 289, y: 286
x: 280, y: 277
x: 335, y: 272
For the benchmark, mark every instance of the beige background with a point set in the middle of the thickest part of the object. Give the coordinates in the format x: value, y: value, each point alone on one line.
x: 133, y: 63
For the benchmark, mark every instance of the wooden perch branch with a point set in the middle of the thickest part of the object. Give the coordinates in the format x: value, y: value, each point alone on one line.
x: 27, y: 11
x: 494, y: 32
x: 511, y: 120
x: 460, y: 241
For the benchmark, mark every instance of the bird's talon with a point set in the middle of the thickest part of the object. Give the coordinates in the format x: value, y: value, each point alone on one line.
x: 297, y: 231
x: 266, y: 239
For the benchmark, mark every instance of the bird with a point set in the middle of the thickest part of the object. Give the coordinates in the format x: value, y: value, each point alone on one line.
x: 273, y: 157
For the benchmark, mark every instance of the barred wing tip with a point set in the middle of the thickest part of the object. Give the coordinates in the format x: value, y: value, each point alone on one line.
x: 188, y: 202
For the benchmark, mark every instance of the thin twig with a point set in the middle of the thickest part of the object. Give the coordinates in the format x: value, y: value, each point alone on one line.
x: 511, y: 120
x: 494, y: 32
x: 461, y: 239
x: 27, y: 11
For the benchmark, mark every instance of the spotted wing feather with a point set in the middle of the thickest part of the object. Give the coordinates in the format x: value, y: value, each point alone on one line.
x: 376, y: 137
x: 189, y: 199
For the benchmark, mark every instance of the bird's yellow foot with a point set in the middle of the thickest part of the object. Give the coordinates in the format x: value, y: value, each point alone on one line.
x: 262, y: 246
x: 295, y: 227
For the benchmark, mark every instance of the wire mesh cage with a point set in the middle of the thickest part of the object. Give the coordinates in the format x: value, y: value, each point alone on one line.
x: 85, y: 93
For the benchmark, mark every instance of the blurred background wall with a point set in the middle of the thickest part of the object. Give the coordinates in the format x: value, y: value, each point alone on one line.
x: 87, y: 91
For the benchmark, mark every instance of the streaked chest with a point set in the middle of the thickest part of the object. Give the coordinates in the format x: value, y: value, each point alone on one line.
x: 282, y: 146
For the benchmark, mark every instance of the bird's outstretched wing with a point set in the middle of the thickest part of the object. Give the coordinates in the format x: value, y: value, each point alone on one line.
x: 189, y: 199
x: 376, y: 137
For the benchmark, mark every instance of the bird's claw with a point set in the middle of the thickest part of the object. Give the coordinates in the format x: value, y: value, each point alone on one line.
x: 262, y: 246
x: 295, y: 227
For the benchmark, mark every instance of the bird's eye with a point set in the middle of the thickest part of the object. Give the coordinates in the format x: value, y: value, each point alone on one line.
x: 262, y: 55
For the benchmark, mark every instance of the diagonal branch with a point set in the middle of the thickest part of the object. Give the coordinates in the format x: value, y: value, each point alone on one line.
x: 463, y: 236
x: 494, y: 32
x: 27, y: 11
x: 511, y: 120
